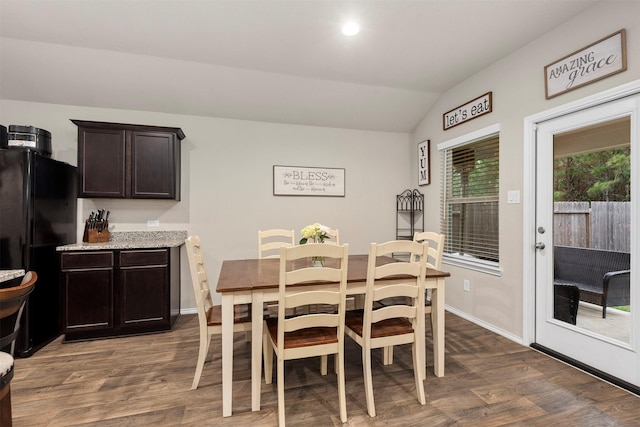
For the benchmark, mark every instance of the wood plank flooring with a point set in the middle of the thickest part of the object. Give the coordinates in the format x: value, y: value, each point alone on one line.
x: 146, y: 380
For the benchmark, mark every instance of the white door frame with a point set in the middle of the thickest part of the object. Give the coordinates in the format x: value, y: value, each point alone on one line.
x: 529, y: 198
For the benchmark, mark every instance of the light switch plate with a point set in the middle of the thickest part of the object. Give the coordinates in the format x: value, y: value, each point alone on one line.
x: 513, y: 196
x: 153, y: 223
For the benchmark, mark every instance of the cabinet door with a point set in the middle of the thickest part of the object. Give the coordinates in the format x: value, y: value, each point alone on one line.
x: 153, y: 165
x: 88, y: 299
x: 101, y: 162
x: 144, y: 289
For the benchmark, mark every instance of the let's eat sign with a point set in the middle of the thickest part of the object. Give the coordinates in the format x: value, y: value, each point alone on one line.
x: 469, y: 111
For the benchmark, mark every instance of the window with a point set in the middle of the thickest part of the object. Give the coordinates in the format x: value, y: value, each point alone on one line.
x: 470, y: 199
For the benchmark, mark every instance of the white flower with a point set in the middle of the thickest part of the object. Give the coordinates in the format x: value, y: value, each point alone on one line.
x: 316, y: 231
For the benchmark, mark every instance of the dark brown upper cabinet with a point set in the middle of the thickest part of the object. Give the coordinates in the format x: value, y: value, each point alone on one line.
x: 118, y: 160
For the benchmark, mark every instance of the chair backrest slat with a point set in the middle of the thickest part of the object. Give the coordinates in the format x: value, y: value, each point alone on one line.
x: 409, y: 290
x: 392, y: 312
x: 270, y: 242
x: 319, y: 320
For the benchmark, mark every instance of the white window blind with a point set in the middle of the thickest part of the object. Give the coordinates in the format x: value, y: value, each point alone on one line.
x: 470, y: 190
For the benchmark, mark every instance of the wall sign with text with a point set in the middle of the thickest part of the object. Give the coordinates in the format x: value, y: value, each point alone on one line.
x: 601, y: 59
x: 424, y: 163
x: 305, y: 181
x: 469, y: 111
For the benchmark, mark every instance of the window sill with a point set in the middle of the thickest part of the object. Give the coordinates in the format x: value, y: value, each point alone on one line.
x: 471, y: 263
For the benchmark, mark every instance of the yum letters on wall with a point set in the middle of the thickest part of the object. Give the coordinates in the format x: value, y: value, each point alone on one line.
x: 424, y: 162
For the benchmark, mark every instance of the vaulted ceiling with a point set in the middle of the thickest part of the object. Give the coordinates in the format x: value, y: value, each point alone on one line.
x: 282, y: 61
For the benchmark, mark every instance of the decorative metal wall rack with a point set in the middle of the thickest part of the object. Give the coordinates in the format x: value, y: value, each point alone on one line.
x: 409, y: 214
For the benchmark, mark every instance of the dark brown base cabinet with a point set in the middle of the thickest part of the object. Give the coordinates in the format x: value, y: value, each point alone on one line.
x: 119, y: 292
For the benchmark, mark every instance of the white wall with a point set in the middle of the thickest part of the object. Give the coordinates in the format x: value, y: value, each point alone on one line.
x: 227, y: 183
x: 517, y: 84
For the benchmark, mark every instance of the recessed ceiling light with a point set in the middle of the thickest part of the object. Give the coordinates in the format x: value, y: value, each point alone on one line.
x: 350, y: 29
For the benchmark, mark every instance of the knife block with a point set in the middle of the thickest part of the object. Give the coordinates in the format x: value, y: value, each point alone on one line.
x: 92, y: 235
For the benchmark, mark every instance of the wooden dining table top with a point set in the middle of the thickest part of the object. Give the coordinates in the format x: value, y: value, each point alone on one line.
x: 249, y: 274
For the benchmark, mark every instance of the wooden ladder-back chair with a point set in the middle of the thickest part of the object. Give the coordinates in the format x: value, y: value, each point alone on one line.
x: 334, y: 237
x: 434, y: 257
x: 383, y: 325
x: 436, y: 247
x: 209, y: 315
x: 270, y: 242
x: 308, y: 334
x: 434, y: 260
x: 12, y: 301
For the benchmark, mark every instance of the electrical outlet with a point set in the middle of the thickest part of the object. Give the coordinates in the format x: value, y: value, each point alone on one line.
x: 466, y: 285
x: 153, y: 223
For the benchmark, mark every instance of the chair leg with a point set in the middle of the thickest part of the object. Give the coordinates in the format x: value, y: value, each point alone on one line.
x: 424, y: 371
x: 387, y: 355
x: 368, y: 381
x: 281, y: 422
x: 418, y: 374
x: 323, y: 364
x: 342, y: 396
x: 5, y: 407
x: 205, y: 339
x: 267, y: 352
x: 424, y: 368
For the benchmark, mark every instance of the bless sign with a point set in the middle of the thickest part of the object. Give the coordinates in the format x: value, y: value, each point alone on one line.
x: 471, y: 110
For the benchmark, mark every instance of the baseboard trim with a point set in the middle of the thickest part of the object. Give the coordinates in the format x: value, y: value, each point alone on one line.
x: 485, y: 325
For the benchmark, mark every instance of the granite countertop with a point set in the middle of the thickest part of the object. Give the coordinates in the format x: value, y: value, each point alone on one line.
x: 6, y: 275
x: 132, y: 240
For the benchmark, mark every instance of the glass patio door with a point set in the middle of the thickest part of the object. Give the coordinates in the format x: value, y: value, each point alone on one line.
x: 586, y: 274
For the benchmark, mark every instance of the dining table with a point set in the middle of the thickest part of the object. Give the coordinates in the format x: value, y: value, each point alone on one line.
x: 256, y: 281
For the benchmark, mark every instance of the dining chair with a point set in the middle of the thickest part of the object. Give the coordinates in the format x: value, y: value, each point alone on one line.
x: 209, y: 315
x: 384, y: 325
x: 436, y: 247
x: 308, y: 334
x: 12, y: 302
x: 270, y: 242
x: 434, y: 260
x: 334, y: 235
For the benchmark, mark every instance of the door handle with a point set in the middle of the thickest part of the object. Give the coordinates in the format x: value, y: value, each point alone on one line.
x: 540, y: 245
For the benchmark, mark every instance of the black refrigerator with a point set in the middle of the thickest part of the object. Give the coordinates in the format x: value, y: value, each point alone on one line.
x: 37, y: 213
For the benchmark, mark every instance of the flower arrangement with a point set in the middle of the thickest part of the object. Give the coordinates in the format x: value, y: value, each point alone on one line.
x: 316, y: 233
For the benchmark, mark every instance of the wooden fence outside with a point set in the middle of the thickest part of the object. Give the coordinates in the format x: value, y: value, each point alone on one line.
x: 598, y: 225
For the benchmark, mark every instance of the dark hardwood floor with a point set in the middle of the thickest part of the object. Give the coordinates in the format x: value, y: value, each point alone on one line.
x: 146, y: 380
